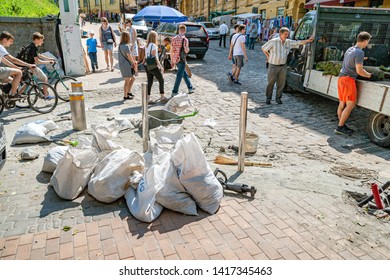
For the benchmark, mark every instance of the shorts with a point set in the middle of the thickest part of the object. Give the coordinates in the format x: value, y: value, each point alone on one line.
x: 239, y: 60
x: 38, y: 73
x: 347, y: 89
x: 108, y: 47
x: 5, y: 73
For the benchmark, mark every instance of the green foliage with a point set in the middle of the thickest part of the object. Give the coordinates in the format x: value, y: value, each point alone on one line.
x: 28, y: 8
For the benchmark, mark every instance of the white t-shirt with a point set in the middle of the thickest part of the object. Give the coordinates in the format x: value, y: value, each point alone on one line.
x: 237, y: 40
x: 149, y: 49
x: 3, y: 52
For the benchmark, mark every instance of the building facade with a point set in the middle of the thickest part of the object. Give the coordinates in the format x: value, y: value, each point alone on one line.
x: 207, y: 9
x: 121, y: 6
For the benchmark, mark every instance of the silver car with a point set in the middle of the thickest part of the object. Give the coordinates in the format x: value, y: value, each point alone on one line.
x: 3, y: 152
x: 211, y: 29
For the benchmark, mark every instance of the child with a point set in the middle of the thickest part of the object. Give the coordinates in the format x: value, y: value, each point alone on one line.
x: 167, y: 57
x: 92, y: 50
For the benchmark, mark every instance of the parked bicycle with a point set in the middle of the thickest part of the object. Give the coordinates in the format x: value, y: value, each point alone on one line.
x: 31, y: 95
x: 61, y: 84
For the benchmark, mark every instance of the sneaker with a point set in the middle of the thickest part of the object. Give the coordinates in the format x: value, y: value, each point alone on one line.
x: 237, y: 82
x: 230, y: 77
x: 96, y: 65
x: 93, y: 70
x: 343, y: 130
x: 191, y: 90
x: 349, y: 129
x: 279, y: 101
x: 50, y: 97
x: 15, y: 97
x: 268, y: 101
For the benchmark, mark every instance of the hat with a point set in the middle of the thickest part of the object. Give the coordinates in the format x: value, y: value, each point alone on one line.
x: 91, y: 32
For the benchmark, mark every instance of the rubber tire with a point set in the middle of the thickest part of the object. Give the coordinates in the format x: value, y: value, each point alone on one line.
x: 66, y: 78
x: 1, y: 103
x: 378, y: 129
x: 31, y: 102
x: 200, y: 56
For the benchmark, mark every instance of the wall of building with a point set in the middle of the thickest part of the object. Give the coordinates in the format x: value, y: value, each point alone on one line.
x: 23, y: 28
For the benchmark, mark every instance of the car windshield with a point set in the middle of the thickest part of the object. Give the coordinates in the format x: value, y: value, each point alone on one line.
x: 195, y: 30
x: 208, y: 24
x: 139, y: 23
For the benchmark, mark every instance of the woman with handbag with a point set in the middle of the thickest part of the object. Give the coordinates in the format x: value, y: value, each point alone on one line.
x: 126, y: 64
x: 133, y: 41
x: 153, y: 67
x: 108, y: 42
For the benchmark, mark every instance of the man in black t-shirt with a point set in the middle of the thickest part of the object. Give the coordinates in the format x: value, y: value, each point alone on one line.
x: 33, y: 57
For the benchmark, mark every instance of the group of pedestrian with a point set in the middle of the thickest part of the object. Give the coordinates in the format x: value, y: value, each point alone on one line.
x: 277, y: 50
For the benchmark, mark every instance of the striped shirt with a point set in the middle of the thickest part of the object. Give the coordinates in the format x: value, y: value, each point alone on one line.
x: 278, y: 51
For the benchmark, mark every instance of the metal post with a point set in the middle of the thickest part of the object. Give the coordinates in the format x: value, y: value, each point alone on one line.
x: 241, y: 143
x: 145, y: 117
x: 77, y: 106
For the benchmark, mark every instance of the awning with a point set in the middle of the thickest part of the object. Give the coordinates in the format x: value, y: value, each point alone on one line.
x: 247, y: 15
x: 215, y: 14
x: 311, y: 3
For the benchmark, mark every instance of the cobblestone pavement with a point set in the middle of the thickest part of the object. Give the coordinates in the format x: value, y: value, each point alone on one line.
x: 299, y: 211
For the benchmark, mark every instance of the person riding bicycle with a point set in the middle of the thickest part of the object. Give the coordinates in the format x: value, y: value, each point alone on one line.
x: 13, y: 73
x: 33, y: 57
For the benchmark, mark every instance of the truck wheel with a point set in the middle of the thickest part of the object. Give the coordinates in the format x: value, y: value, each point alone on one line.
x: 379, y: 129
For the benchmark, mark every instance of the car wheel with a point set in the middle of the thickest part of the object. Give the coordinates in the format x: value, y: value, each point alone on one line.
x: 200, y: 56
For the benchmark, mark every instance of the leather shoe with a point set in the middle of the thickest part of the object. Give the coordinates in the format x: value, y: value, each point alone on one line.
x: 279, y: 101
x: 268, y: 102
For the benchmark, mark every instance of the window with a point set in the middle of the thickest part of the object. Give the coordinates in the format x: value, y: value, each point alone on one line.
x: 263, y: 14
x: 305, y: 29
x: 195, y: 30
x: 280, y: 11
x: 85, y: 4
x: 112, y: 2
x: 96, y: 2
x: 216, y: 3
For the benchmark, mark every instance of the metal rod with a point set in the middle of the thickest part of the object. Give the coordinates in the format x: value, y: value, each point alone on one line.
x: 145, y: 117
x: 242, y: 131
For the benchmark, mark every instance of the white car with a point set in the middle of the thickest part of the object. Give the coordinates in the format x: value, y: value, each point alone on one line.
x: 211, y: 29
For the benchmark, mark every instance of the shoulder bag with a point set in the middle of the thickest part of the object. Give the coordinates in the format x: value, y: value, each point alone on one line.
x: 183, y: 55
x: 151, y: 62
x: 125, y: 57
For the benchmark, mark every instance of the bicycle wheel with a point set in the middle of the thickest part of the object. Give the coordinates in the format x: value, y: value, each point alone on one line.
x: 22, y: 103
x: 37, y: 100
x: 1, y: 103
x: 63, y: 86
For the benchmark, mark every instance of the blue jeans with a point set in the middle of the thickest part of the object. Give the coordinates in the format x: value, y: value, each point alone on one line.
x: 181, y: 73
x: 93, y: 57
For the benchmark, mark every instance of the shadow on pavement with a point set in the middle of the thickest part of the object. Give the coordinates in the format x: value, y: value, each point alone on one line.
x: 108, y: 105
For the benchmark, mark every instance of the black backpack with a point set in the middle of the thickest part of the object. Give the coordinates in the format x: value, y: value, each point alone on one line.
x: 22, y: 54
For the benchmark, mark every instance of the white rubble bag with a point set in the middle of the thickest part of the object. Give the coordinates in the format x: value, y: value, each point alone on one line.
x: 102, y: 137
x: 196, y: 175
x: 30, y: 133
x: 73, y: 172
x: 142, y: 201
x: 173, y: 195
x: 112, y: 175
x: 52, y: 158
x: 179, y: 103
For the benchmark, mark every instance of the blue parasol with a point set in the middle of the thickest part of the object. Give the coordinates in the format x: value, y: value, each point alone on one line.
x: 161, y: 14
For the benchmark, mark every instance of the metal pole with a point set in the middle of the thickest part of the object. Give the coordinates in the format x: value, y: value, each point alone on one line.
x: 145, y: 117
x: 241, y: 143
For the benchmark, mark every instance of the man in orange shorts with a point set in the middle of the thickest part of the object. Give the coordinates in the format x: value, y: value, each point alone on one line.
x: 352, y: 67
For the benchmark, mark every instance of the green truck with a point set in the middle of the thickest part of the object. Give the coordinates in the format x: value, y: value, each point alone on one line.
x: 335, y: 30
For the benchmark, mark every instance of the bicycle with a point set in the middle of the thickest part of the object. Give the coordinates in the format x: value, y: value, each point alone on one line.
x: 61, y: 84
x: 32, y: 91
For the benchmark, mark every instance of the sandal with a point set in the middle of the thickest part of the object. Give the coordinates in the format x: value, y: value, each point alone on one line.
x: 128, y: 97
x: 130, y: 94
x: 108, y: 67
x: 112, y: 70
x: 150, y: 102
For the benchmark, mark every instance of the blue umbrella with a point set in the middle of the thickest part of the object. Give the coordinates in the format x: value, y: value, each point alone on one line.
x: 161, y: 14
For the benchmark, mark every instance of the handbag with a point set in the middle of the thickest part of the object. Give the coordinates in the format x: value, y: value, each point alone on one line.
x: 167, y: 63
x: 151, y: 62
x: 110, y: 41
x: 183, y: 55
